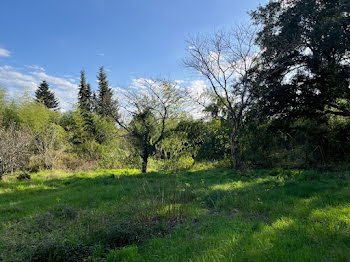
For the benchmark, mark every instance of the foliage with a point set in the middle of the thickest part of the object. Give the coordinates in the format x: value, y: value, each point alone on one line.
x: 85, y: 104
x: 44, y: 95
x: 2, y: 104
x: 84, y: 94
x: 107, y: 106
x: 152, y: 111
x: 10, y: 114
x: 36, y: 117
x: 305, y: 60
x: 285, y: 105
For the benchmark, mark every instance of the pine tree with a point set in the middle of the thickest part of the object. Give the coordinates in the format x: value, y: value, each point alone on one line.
x: 94, y: 102
x: 106, y: 105
x: 84, y: 94
x: 44, y: 95
x: 85, y: 103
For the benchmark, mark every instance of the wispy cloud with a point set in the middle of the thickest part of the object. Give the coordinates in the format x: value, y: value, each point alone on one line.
x: 100, y: 54
x: 17, y: 82
x: 180, y: 82
x: 4, y: 52
x: 56, y: 81
x: 11, y: 79
x: 196, y: 91
x: 35, y: 67
x: 140, y: 83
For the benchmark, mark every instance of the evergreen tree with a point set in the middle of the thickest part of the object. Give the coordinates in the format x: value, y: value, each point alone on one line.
x: 106, y: 105
x: 85, y: 103
x: 44, y: 95
x: 89, y: 98
x: 94, y: 102
x: 84, y: 94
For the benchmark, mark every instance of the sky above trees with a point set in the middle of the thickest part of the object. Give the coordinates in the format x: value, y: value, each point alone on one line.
x: 53, y: 40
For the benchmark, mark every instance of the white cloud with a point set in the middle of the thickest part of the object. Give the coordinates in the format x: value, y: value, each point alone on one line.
x: 140, y: 83
x: 35, y: 67
x: 197, y: 91
x: 17, y: 83
x: 101, y: 54
x: 71, y: 78
x: 119, y: 93
x: 179, y: 82
x: 191, y: 47
x: 57, y: 81
x: 4, y: 52
x: 10, y: 78
x: 117, y: 89
x: 197, y: 88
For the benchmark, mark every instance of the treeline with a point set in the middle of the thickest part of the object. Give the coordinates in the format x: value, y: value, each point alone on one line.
x: 278, y: 96
x: 35, y: 135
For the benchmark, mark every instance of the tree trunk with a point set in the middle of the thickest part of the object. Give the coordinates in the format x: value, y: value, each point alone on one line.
x: 144, y: 164
x: 236, y: 163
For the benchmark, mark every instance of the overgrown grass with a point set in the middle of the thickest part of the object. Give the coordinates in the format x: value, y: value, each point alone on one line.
x: 204, y: 215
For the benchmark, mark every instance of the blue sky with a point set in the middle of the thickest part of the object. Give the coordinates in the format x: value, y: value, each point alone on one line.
x: 55, y: 39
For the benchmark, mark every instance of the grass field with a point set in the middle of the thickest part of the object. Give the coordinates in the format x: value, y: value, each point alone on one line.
x: 204, y: 215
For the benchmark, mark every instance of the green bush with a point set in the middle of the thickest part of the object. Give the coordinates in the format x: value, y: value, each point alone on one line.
x: 36, y: 164
x: 23, y: 176
x: 75, y: 163
x: 181, y: 163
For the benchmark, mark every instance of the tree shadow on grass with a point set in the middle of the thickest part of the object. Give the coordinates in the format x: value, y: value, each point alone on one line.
x: 206, y: 185
x: 315, y: 228
x: 258, y: 203
x: 288, y: 219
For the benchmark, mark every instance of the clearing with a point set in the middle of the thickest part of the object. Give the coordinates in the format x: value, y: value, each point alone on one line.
x: 203, y: 215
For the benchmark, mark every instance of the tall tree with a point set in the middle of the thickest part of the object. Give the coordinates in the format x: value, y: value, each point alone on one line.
x: 85, y: 103
x: 84, y: 94
x: 107, y: 106
x: 226, y: 59
x: 44, y: 95
x: 306, y: 57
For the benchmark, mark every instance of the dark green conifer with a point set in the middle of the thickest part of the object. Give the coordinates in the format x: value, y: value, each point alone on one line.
x: 84, y: 94
x: 44, y: 95
x: 85, y: 103
x: 107, y: 106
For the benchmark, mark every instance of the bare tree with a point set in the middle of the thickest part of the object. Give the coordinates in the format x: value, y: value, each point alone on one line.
x: 14, y: 149
x: 148, y: 110
x: 226, y: 60
x: 49, y: 146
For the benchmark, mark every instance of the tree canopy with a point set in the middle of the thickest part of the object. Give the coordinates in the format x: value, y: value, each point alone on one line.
x: 305, y: 67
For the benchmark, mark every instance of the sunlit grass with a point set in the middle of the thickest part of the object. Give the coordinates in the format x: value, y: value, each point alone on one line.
x: 203, y: 215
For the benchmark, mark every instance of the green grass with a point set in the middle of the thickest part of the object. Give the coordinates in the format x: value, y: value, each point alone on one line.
x: 204, y: 215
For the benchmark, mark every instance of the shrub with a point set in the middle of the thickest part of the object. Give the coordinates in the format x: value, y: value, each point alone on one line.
x: 23, y: 176
x: 36, y: 164
x: 14, y: 149
x: 181, y: 163
x: 72, y: 162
